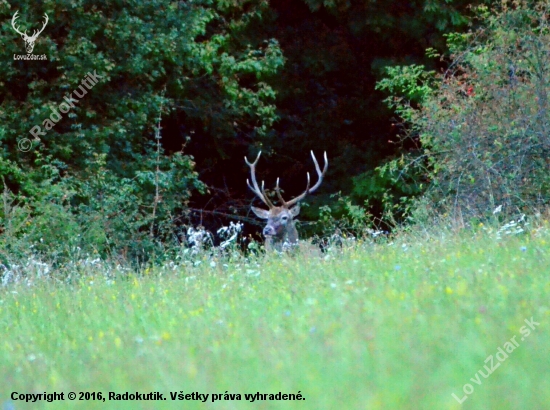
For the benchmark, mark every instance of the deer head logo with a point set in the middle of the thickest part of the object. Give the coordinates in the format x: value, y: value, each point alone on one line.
x: 280, y: 228
x: 29, y: 40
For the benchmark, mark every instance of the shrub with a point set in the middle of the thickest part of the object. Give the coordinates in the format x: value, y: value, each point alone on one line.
x: 101, y: 180
x: 483, y: 124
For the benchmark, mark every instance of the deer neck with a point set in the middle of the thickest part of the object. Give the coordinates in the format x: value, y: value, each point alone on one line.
x: 288, y: 236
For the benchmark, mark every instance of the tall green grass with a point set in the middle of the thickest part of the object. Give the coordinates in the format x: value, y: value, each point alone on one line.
x: 398, y: 325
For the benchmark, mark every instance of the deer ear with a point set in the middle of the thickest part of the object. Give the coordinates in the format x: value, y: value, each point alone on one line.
x: 295, y: 210
x: 260, y: 213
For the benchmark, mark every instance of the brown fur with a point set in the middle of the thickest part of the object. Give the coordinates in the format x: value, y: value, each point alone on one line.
x: 280, y: 227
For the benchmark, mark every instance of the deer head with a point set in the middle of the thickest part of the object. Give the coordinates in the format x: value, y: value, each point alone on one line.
x: 29, y: 41
x: 280, y: 226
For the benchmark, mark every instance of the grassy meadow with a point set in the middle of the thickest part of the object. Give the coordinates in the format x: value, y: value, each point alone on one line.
x: 396, y: 325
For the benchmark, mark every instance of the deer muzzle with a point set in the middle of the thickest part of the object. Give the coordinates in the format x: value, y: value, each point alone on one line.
x: 269, y: 231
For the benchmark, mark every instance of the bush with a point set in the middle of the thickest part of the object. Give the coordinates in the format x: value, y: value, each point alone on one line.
x: 483, y: 124
x: 102, y: 180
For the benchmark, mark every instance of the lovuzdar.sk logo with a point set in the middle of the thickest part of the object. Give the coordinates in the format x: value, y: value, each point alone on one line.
x: 29, y: 40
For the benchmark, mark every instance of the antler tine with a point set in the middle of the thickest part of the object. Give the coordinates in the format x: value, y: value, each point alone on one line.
x: 255, y: 162
x: 37, y: 32
x: 15, y: 17
x: 319, y: 173
x: 314, y: 187
x: 260, y: 193
x: 299, y: 197
x: 278, y: 190
x: 43, y: 26
x: 268, y: 203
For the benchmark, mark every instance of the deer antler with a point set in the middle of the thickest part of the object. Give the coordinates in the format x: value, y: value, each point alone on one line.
x: 36, y: 32
x: 308, y: 189
x: 15, y: 17
x: 254, y: 187
x: 286, y: 204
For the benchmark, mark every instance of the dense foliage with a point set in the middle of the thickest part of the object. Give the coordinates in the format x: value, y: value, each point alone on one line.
x: 482, y: 124
x: 335, y: 52
x: 223, y: 79
x: 100, y: 177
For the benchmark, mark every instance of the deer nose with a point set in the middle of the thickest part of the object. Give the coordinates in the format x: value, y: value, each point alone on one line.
x: 269, y: 231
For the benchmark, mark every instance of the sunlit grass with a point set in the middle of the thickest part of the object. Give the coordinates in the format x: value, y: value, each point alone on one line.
x: 400, y: 325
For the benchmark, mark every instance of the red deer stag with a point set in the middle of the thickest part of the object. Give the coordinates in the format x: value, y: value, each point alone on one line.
x: 280, y: 229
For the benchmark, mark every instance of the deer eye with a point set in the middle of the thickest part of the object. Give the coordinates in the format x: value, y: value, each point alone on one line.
x: 284, y: 218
